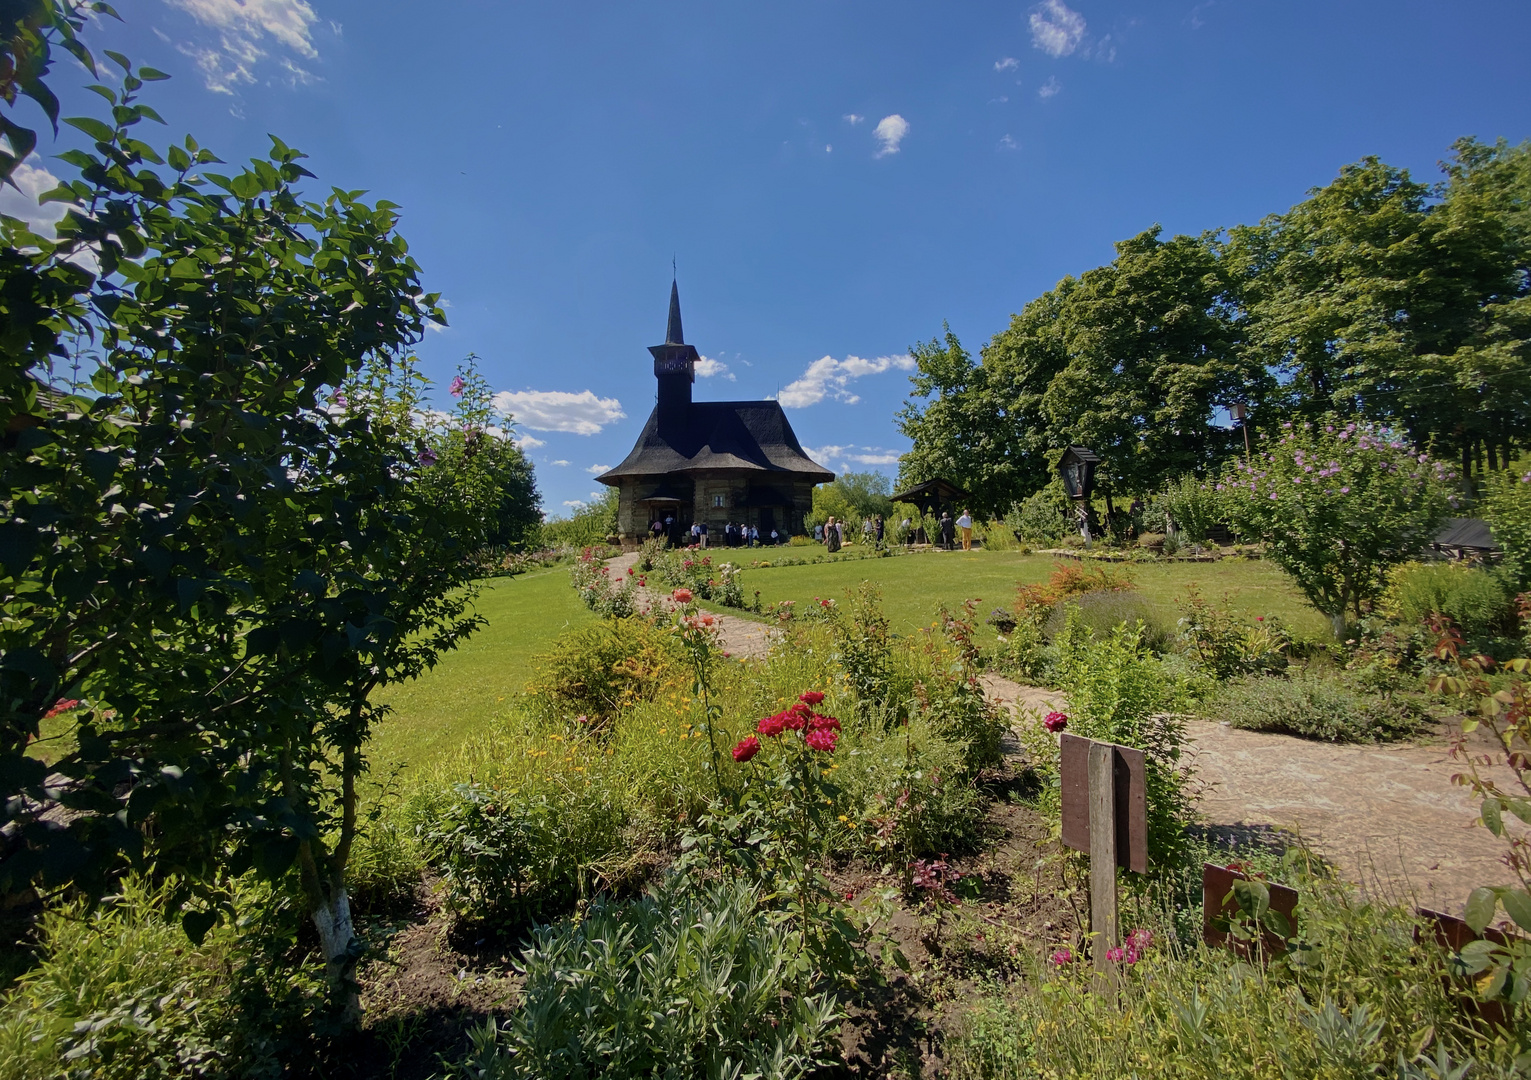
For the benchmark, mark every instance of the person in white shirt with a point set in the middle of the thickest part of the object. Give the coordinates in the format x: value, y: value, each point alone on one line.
x: 965, y: 523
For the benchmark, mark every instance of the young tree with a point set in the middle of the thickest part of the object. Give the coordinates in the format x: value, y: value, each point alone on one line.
x: 1337, y: 505
x: 225, y: 532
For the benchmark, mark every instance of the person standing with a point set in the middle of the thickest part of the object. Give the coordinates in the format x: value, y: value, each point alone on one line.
x: 879, y: 529
x: 906, y: 532
x: 867, y: 530
x: 948, y: 531
x: 965, y: 523
x: 831, y: 536
x: 701, y: 534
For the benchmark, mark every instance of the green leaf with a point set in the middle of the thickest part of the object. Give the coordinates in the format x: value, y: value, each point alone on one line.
x: 1517, y: 904
x: 118, y: 59
x: 149, y: 74
x: 92, y: 127
x: 1479, y: 911
x: 1491, y: 816
x: 198, y: 923
x: 1253, y: 898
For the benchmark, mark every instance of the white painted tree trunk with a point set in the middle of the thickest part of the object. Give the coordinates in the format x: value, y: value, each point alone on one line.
x: 337, y: 937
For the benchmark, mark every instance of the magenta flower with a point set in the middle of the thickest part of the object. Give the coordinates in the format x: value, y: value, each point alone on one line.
x: 1061, y: 957
x: 747, y: 748
x: 428, y: 457
x: 1055, y: 722
x: 1115, y: 955
x: 457, y: 387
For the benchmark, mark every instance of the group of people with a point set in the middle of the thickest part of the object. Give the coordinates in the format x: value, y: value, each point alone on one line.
x: 735, y: 534
x: 832, y: 533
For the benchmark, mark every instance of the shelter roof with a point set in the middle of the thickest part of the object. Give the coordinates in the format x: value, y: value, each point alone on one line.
x: 936, y: 490
x: 1465, y: 533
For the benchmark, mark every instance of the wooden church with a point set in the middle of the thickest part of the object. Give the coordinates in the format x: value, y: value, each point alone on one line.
x: 710, y: 461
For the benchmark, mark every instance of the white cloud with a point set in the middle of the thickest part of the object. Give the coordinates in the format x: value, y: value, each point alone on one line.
x: 829, y: 148
x: 999, y: 100
x: 527, y: 442
x: 559, y: 410
x: 828, y: 377
x: 1007, y: 143
x: 574, y: 504
x: 890, y: 131
x: 23, y: 204
x: 1056, y: 28
x: 1006, y: 64
x: 560, y: 461
x: 860, y: 455
x: 242, y: 27
x: 1049, y: 88
x: 707, y: 368
x: 596, y: 470
x: 853, y: 119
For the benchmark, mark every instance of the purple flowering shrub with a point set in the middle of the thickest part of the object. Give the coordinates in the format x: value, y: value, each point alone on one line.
x: 1337, y: 505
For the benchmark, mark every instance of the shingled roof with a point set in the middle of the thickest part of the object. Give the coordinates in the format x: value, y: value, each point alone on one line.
x: 721, y: 435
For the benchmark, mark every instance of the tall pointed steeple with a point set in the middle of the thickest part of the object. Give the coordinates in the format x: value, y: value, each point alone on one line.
x: 672, y: 333
x: 674, y: 370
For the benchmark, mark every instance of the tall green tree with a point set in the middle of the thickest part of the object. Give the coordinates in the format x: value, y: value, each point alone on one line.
x: 1131, y: 359
x: 1378, y: 296
x: 223, y: 522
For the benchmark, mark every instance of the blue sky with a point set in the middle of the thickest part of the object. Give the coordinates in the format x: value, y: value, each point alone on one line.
x: 834, y: 178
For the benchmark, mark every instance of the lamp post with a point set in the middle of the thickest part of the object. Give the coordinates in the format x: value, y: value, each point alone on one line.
x: 1240, y: 415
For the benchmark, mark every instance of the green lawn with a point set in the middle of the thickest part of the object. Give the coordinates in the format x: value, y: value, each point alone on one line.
x: 437, y: 711
x: 912, y: 585
x: 434, y: 714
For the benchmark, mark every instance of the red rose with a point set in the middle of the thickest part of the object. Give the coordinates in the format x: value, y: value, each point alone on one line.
x: 812, y: 697
x: 682, y: 596
x: 823, y: 739
x: 822, y: 723
x: 1055, y: 722
x: 747, y: 748
x: 772, y: 726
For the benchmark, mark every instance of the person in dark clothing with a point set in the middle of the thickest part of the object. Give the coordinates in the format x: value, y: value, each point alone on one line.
x: 948, y: 531
x: 877, y: 527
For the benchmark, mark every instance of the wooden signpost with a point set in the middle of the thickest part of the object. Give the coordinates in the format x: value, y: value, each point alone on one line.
x: 1105, y: 813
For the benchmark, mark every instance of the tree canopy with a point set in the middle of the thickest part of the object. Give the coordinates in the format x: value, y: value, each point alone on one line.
x: 1376, y: 297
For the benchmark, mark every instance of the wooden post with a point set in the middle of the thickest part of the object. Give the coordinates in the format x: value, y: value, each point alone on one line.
x: 1103, y: 854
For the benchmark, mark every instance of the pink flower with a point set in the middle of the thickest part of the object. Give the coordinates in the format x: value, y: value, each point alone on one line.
x: 62, y: 705
x: 682, y: 596
x: 823, y: 739
x: 747, y: 748
x: 1055, y: 722
x: 457, y: 386
x: 630, y: 571
x: 428, y: 457
x: 1115, y: 955
x: 1061, y: 957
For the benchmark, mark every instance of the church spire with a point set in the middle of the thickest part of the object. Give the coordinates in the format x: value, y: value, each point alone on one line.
x: 672, y: 334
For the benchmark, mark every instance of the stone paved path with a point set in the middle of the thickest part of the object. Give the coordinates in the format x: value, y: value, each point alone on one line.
x: 1387, y: 815
x: 742, y: 638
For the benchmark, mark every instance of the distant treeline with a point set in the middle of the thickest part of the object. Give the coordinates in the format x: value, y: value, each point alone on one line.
x: 1377, y: 297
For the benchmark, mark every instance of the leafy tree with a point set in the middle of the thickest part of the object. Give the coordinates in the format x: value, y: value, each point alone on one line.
x: 1130, y: 359
x: 1337, y: 505
x: 588, y: 524
x: 1506, y: 504
x: 225, y: 532
x: 959, y: 417
x: 1373, y: 298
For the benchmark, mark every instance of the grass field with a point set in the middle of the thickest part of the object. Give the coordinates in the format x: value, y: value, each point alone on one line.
x: 436, y: 712
x: 433, y: 715
x: 912, y: 585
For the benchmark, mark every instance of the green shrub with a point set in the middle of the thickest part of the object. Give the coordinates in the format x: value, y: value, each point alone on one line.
x: 599, y: 671
x: 1104, y: 610
x: 687, y: 982
x: 1194, y: 507
x: 1118, y: 691
x: 508, y: 854
x: 1041, y: 518
x: 1507, y: 506
x: 996, y: 536
x: 1481, y: 602
x: 603, y: 594
x: 1315, y: 707
x: 119, y: 993
x: 1364, y: 993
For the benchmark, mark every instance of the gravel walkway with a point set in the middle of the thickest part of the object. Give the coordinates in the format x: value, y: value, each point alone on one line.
x: 742, y: 638
x: 1387, y: 815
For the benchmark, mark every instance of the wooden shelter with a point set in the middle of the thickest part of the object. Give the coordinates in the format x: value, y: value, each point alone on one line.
x: 932, y: 496
x: 710, y: 461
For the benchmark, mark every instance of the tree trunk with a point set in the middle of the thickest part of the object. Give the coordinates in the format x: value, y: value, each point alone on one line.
x: 1493, y: 457
x: 337, y: 937
x: 1337, y: 621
